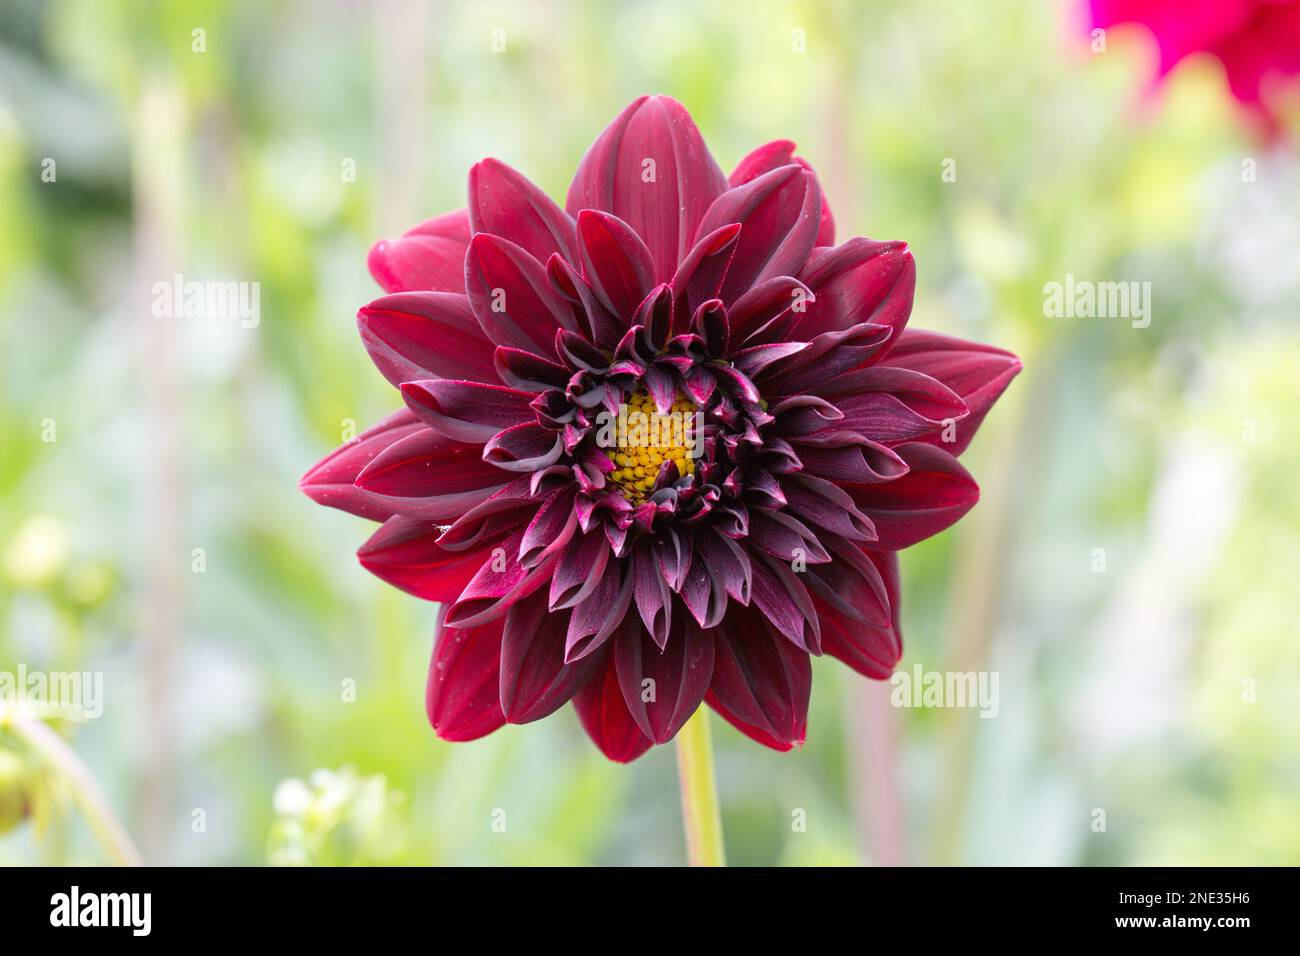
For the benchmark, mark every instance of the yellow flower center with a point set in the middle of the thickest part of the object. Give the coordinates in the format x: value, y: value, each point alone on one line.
x: 646, y: 439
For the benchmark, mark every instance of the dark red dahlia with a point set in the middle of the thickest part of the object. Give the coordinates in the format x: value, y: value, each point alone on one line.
x: 583, y: 552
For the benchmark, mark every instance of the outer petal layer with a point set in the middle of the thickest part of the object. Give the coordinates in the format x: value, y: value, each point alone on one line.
x: 461, y: 697
x: 651, y: 169
x: 978, y: 373
x: 429, y: 257
x: 606, y: 719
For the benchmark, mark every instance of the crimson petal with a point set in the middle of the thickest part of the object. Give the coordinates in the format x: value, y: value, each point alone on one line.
x: 405, y: 552
x: 771, y: 156
x: 499, y: 583
x: 826, y: 505
x: 978, y: 373
x: 505, y: 508
x: 512, y: 297
x: 779, y: 213
x: 893, y: 404
x: 461, y: 697
x: 605, y: 717
x: 650, y: 168
x: 934, y: 493
x: 852, y: 586
x: 520, y: 369
x: 551, y: 529
x: 332, y: 480
x: 870, y: 650
x: 783, y: 599
x: 700, y: 275
x: 662, y: 688
x: 526, y: 447
x: 615, y: 262
x: 653, y: 599
x: 535, y: 678
x: 430, y: 256
x: 580, y: 569
x: 761, y: 682
x: 505, y: 203
x: 595, y: 618
x: 429, y: 476
x: 859, y: 281
x: 412, y: 335
x: 467, y: 411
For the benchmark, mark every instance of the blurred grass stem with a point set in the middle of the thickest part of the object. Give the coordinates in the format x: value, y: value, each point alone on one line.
x: 90, y: 799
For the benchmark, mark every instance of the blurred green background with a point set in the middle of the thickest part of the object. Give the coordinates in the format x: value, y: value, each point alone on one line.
x: 1129, y: 573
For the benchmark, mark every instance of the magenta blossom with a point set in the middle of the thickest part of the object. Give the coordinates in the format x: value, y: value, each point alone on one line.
x: 583, y: 553
x: 1257, y: 41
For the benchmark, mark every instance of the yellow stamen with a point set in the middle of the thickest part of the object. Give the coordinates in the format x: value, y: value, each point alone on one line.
x: 646, y: 439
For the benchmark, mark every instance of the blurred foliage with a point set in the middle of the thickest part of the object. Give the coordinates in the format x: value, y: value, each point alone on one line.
x: 1124, y: 690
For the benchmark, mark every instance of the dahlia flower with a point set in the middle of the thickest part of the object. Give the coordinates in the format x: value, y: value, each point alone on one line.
x: 660, y: 446
x: 1256, y: 41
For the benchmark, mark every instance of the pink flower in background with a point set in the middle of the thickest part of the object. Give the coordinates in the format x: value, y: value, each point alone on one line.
x: 582, y: 562
x: 1257, y: 41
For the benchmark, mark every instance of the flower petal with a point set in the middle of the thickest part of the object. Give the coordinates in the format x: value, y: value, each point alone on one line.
x: 700, y: 275
x: 512, y: 297
x: 651, y: 594
x: 771, y: 156
x: 426, y: 475
x: 405, y: 552
x: 332, y: 480
x: 662, y: 688
x: 784, y: 537
x: 728, y: 561
x: 590, y: 314
x: 525, y: 370
x: 505, y: 203
x: 826, y: 505
x: 892, y: 404
x: 784, y: 601
x: 430, y: 256
x: 859, y: 281
x: 851, y: 585
x: 499, y: 583
x: 509, y: 507
x: 412, y: 335
x: 605, y: 717
x: 650, y: 168
x: 595, y: 618
x: 551, y: 529
x: 779, y: 213
x: 934, y: 493
x: 869, y: 649
x: 526, y: 447
x: 461, y: 697
x: 827, y: 356
x: 978, y: 373
x: 761, y: 682
x: 580, y: 569
x: 535, y: 678
x: 754, y: 314
x: 467, y: 411
x: 615, y: 262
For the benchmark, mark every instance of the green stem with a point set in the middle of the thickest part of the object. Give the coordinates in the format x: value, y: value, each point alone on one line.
x: 700, y: 816
x: 109, y: 831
